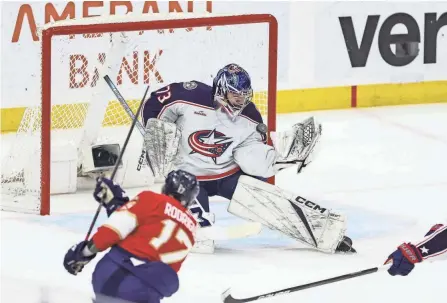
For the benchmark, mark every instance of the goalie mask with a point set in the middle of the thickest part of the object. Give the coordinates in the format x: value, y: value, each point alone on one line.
x: 232, y: 89
x: 182, y: 185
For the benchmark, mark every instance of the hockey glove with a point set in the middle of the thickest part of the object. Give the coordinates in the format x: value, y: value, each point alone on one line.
x: 75, y: 260
x: 296, y: 146
x: 111, y: 195
x: 404, y: 259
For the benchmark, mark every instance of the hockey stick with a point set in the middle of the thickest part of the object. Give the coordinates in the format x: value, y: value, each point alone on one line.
x: 129, y: 112
x: 115, y: 169
x: 216, y: 233
x: 228, y: 298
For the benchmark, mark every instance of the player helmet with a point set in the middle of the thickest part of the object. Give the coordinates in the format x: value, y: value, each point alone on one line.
x: 182, y: 185
x: 232, y: 89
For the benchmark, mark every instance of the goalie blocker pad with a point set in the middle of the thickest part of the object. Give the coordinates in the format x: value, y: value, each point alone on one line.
x: 161, y: 142
x: 292, y: 215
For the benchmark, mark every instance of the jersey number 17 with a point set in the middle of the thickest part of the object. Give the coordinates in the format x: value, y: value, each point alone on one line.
x: 169, y: 231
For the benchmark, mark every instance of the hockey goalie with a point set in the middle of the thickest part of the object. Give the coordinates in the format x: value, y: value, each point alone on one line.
x: 217, y: 133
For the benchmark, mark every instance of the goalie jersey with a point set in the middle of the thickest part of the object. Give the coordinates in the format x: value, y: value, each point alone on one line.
x: 212, y: 146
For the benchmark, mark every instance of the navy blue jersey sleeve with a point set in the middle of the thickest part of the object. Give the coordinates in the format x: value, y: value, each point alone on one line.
x: 435, y: 242
x: 252, y: 113
x: 161, y: 103
x: 153, y: 106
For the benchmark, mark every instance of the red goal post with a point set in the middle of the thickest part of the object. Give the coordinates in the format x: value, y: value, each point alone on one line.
x: 97, y: 26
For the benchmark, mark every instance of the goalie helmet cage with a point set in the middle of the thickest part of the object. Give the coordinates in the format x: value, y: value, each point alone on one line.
x: 127, y: 26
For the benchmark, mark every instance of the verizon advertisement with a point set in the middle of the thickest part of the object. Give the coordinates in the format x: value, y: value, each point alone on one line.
x: 381, y: 42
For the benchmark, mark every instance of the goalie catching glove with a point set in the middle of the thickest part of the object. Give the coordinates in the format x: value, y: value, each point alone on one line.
x: 295, y: 146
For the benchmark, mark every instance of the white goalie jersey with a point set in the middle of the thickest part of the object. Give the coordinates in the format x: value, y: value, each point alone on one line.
x: 211, y: 145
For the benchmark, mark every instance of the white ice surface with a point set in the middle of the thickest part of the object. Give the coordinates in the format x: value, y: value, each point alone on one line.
x: 385, y: 167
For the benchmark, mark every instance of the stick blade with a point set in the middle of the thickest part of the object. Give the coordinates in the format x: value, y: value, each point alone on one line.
x: 245, y: 230
x: 230, y: 232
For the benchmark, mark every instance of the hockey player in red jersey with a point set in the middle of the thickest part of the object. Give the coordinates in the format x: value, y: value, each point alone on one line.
x: 149, y: 236
x: 407, y: 255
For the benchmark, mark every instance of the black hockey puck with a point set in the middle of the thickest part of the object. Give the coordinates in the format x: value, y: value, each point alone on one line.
x: 261, y: 128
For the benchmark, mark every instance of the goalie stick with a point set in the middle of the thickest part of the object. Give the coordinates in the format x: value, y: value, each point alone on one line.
x: 215, y: 232
x: 115, y: 169
x: 228, y: 298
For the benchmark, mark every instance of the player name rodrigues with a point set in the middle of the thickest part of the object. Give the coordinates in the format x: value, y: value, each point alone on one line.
x: 180, y: 216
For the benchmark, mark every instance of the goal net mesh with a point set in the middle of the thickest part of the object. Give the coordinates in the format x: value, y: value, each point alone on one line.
x: 84, y: 110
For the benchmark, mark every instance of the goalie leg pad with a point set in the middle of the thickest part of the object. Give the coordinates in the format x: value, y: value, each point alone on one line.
x: 161, y: 142
x: 292, y: 215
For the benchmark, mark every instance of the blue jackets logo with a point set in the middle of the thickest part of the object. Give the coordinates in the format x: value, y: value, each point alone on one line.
x: 209, y: 143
